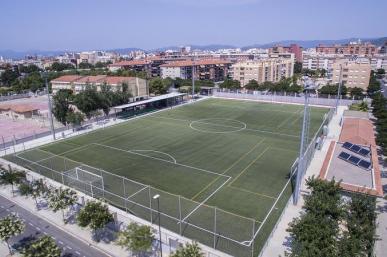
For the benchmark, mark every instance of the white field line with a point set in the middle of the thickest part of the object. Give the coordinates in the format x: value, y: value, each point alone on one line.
x: 227, y: 126
x: 146, y: 207
x: 170, y: 156
x: 205, y: 200
x: 137, y: 192
x: 271, y: 209
x: 163, y: 160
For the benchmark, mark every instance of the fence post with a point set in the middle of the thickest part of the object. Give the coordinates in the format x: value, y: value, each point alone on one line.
x: 150, y: 205
x: 5, y: 151
x: 215, y: 228
x: 180, y: 214
x: 125, y: 202
x: 252, y: 240
x: 14, y: 143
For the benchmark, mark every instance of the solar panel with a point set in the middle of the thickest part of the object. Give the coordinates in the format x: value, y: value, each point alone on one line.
x: 344, y: 155
x: 347, y: 145
x: 354, y: 160
x: 355, y: 148
x: 364, y: 152
x: 364, y: 164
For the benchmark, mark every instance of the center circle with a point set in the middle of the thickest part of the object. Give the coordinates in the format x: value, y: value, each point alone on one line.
x: 217, y: 125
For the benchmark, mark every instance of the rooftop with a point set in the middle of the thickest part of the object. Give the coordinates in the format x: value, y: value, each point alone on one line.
x: 111, y: 80
x: 195, y: 63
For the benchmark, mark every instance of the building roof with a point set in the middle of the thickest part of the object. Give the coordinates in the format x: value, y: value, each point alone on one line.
x: 150, y: 100
x: 358, y: 131
x: 131, y: 63
x: 91, y: 79
x: 196, y: 63
x: 114, y: 80
x: 20, y: 108
x: 67, y: 78
x: 111, y: 80
x: 354, y: 178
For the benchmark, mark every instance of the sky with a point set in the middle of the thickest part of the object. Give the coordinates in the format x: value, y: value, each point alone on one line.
x: 149, y: 24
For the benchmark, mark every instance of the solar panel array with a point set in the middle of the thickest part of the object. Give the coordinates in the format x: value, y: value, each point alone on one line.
x: 355, y: 160
x: 356, y: 149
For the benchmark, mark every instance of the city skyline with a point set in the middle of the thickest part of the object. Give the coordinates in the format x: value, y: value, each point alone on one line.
x: 151, y: 24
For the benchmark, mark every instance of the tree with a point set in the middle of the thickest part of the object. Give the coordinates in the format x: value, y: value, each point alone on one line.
x: 316, y: 231
x: 75, y: 118
x: 10, y: 177
x: 10, y: 226
x: 157, y: 87
x: 28, y: 68
x: 56, y: 66
x: 297, y: 68
x: 189, y: 250
x: 373, y: 86
x: 61, y: 199
x: 9, y: 76
x: 94, y: 215
x: 380, y: 73
x: 61, y: 105
x: 35, y: 188
x: 356, y: 92
x: 359, y: 238
x: 136, y: 238
x: 252, y: 85
x: 332, y: 90
x: 45, y: 246
x: 363, y: 107
x: 87, y: 101
x: 230, y: 84
x: 85, y: 65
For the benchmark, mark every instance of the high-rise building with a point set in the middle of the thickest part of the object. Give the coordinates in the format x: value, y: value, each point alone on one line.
x: 204, y: 69
x: 272, y: 69
x: 353, y: 48
x: 353, y: 73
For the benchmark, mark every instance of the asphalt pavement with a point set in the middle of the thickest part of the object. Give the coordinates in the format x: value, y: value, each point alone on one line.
x: 36, y: 227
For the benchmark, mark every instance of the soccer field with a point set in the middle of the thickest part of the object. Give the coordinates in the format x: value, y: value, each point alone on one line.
x: 221, y: 167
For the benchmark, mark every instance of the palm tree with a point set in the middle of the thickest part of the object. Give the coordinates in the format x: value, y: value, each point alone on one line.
x: 61, y: 199
x: 10, y: 226
x: 9, y: 177
x: 42, y: 247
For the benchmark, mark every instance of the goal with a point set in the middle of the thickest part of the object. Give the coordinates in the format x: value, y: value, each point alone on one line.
x: 86, y: 179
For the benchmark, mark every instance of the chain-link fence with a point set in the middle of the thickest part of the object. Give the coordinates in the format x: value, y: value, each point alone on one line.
x: 295, y: 98
x: 217, y: 228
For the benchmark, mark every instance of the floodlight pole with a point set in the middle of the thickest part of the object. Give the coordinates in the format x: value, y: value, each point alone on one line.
x: 300, y: 167
x: 339, y: 88
x: 193, y: 77
x: 49, y: 108
x: 157, y: 197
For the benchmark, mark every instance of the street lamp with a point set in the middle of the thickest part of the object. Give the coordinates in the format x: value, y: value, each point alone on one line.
x: 157, y: 197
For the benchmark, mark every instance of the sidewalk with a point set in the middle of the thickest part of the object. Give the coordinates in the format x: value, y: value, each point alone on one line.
x: 278, y: 244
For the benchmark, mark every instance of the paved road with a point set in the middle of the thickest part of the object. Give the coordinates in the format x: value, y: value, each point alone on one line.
x: 36, y: 227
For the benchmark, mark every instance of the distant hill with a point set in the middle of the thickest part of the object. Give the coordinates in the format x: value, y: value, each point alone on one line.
x: 314, y: 43
x: 211, y: 47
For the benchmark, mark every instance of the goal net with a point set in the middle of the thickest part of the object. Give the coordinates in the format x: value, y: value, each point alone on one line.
x: 86, y: 179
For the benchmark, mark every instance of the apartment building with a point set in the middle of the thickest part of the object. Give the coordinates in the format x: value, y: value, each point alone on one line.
x: 293, y: 48
x: 95, y: 56
x: 353, y: 48
x: 353, y: 73
x: 379, y: 62
x: 273, y: 70
x: 205, y: 69
x: 137, y: 86
x: 318, y: 61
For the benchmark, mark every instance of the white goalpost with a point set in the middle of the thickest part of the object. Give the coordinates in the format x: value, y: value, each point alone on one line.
x: 85, y: 178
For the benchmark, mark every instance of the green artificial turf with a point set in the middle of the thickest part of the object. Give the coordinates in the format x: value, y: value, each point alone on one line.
x: 236, y: 155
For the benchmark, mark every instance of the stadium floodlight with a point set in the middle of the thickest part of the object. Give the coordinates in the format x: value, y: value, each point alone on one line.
x: 309, y: 86
x: 49, y: 107
x: 157, y: 197
x: 339, y: 88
